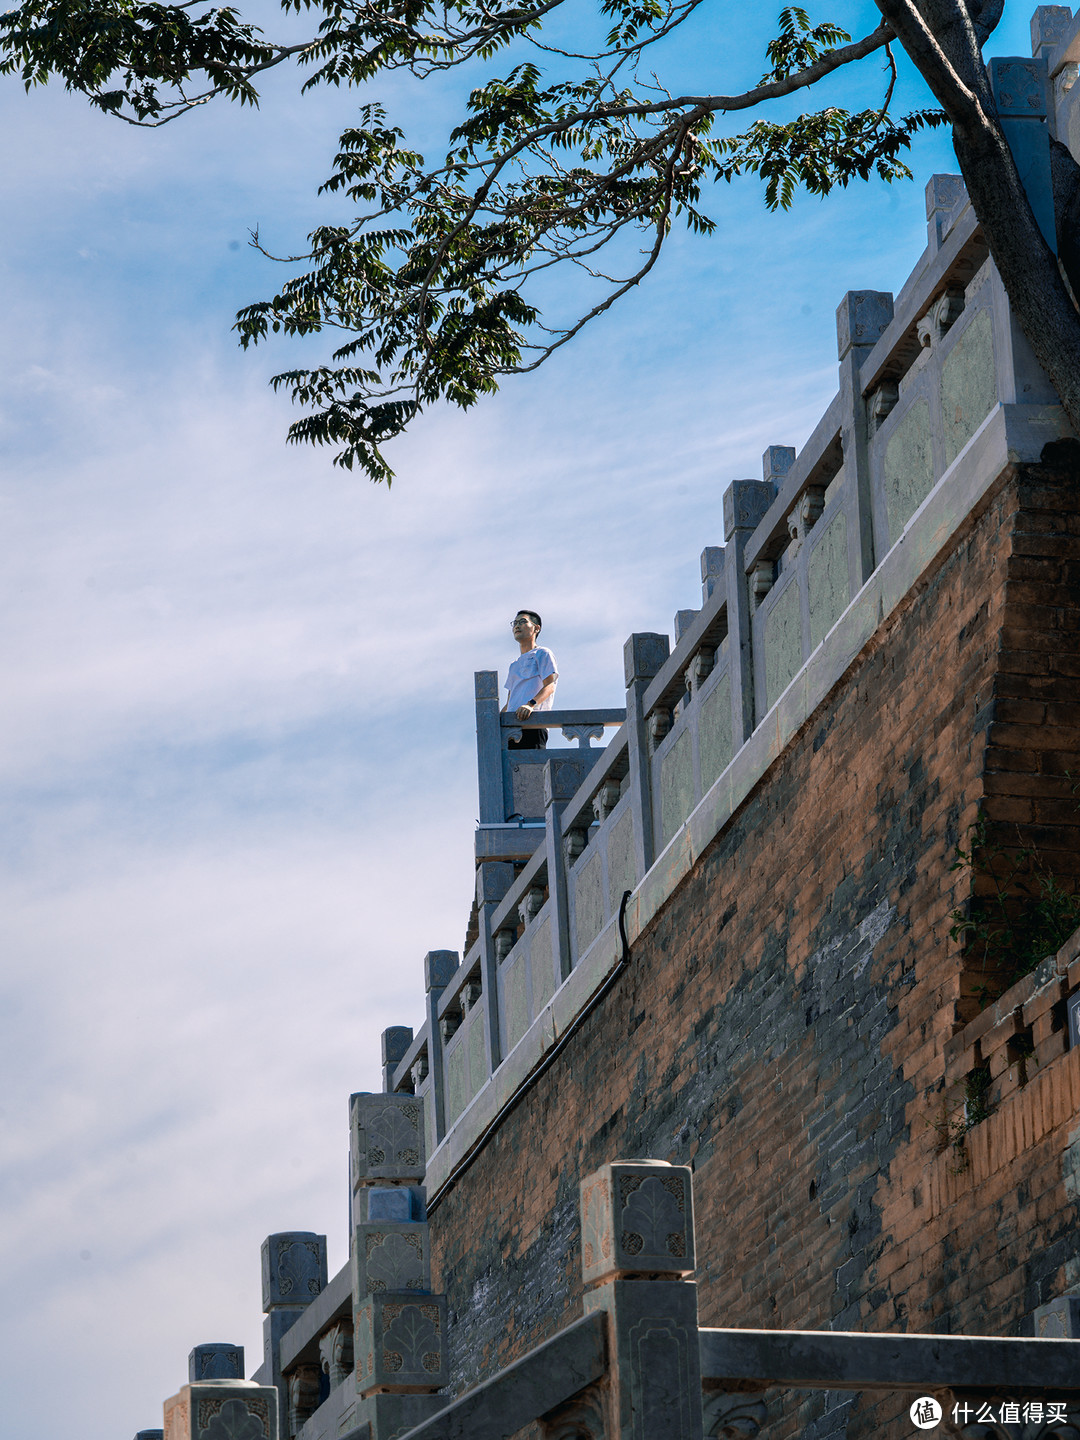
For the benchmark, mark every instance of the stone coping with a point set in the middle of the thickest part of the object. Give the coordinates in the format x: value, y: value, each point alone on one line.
x: 1010, y: 434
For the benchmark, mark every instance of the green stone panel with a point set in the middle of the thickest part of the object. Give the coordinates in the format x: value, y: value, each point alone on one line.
x: 908, y: 468
x: 621, y: 862
x: 477, y: 1052
x: 588, y: 901
x: 517, y: 1003
x: 456, y: 1081
x: 676, y: 785
x: 827, y: 576
x: 540, y: 960
x: 783, y: 644
x: 527, y: 789
x: 714, y: 732
x: 968, y: 384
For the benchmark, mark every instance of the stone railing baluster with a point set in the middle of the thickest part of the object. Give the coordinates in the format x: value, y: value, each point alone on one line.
x: 439, y: 967
x: 643, y: 656
x: 395, y: 1046
x: 745, y: 504
x: 293, y: 1274
x: 637, y: 1253
x: 399, y: 1341
x: 862, y: 317
x: 217, y: 1397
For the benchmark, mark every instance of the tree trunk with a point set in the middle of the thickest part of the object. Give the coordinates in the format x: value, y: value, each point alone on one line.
x: 1029, y: 271
x: 941, y: 41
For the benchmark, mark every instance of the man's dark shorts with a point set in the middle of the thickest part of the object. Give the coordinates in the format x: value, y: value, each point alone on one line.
x: 530, y: 740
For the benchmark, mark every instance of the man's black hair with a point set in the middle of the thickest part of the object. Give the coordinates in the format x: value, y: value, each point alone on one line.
x: 533, y: 616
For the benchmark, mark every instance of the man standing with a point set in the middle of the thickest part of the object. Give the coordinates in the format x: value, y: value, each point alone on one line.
x: 530, y: 680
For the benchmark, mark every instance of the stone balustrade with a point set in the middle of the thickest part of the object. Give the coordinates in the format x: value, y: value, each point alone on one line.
x: 938, y: 394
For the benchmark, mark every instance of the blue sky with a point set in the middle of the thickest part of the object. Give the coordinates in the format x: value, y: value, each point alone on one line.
x: 237, y: 765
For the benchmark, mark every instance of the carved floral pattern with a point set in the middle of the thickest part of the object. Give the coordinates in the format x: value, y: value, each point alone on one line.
x: 411, y: 1339
x: 1019, y: 87
x: 394, y: 1262
x: 298, y: 1267
x: 392, y: 1134
x: 732, y: 1417
x: 335, y: 1349
x: 233, y: 1419
x: 653, y: 1221
x: 581, y: 1418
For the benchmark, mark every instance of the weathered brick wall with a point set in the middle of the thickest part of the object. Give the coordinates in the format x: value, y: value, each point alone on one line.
x: 782, y: 1025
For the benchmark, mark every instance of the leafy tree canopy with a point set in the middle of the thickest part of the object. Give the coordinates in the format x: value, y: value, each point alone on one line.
x: 559, y: 160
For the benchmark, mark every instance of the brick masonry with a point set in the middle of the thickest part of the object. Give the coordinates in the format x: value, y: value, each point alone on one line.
x: 783, y: 1024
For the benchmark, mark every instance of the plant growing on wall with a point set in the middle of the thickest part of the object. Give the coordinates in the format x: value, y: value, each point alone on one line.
x: 575, y: 154
x: 1018, y: 913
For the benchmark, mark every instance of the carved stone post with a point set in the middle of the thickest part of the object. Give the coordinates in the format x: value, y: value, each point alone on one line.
x: 293, y: 1274
x: 395, y: 1046
x: 489, y: 760
x: 862, y: 317
x: 637, y: 1245
x: 493, y: 879
x: 1020, y: 83
x: 216, y: 1362
x: 305, y: 1392
x: 683, y: 620
x: 217, y: 1409
x: 776, y: 461
x: 943, y: 196
x: 561, y: 780
x: 712, y: 570
x: 399, y: 1335
x: 439, y: 967
x: 643, y: 657
x: 1058, y: 1319
x: 745, y: 504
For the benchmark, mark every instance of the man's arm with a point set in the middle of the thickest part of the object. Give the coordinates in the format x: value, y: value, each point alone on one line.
x: 547, y: 686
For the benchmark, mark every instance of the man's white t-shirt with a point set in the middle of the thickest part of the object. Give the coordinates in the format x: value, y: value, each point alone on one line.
x: 526, y: 675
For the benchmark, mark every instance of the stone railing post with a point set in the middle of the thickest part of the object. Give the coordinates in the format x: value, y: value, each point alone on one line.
x: 637, y: 1248
x: 489, y: 760
x: 439, y: 967
x: 1020, y: 84
x: 293, y: 1275
x: 216, y: 1362
x: 643, y: 657
x: 399, y: 1337
x: 226, y: 1407
x: 862, y: 317
x: 745, y: 504
x: 943, y: 196
x: 1058, y: 1319
x: 395, y: 1046
x: 561, y: 780
x: 493, y: 880
x: 712, y: 570
x: 387, y: 1144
